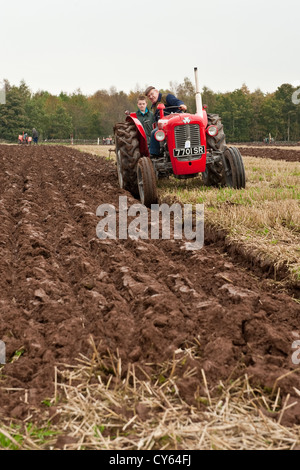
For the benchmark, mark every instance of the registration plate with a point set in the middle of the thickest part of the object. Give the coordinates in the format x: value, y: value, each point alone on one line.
x: 189, y: 151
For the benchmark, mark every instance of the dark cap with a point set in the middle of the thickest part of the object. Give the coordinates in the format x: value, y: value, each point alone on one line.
x: 149, y: 89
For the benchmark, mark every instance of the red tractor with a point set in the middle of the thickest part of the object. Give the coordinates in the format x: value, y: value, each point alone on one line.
x: 190, y: 144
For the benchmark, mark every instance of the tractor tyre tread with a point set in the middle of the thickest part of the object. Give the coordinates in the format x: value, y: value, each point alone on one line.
x: 234, y: 159
x: 127, y: 143
x: 217, y: 142
x: 145, y: 166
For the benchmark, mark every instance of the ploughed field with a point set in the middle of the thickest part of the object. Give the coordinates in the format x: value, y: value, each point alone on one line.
x: 60, y: 285
x: 276, y: 153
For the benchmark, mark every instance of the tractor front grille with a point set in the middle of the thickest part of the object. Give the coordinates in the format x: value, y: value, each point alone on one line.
x: 186, y: 132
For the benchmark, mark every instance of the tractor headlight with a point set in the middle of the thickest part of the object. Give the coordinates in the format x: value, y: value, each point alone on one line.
x: 160, y: 135
x: 212, y: 130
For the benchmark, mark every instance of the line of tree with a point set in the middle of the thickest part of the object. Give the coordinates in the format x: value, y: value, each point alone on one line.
x: 247, y: 116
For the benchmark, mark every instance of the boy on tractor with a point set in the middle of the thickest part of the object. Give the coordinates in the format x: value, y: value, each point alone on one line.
x: 145, y: 116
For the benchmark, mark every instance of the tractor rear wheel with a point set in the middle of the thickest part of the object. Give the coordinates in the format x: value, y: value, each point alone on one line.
x: 234, y: 170
x: 128, y: 154
x: 216, y: 142
x: 146, y: 180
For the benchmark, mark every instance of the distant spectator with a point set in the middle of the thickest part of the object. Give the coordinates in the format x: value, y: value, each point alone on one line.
x: 35, y: 135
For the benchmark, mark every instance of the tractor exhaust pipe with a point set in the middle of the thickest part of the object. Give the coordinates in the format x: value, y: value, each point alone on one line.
x: 199, y: 110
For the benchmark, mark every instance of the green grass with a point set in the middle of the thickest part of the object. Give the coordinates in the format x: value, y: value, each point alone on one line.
x: 16, y: 437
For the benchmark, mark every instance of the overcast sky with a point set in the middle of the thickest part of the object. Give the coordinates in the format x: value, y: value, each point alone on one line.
x: 62, y: 45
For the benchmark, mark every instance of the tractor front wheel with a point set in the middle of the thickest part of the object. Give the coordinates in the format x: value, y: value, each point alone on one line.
x: 146, y: 181
x: 227, y: 171
x: 213, y: 174
x: 234, y: 170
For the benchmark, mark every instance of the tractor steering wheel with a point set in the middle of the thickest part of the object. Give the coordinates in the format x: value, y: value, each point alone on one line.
x: 176, y: 107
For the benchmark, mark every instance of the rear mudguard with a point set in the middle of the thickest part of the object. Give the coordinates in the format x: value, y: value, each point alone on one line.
x: 141, y: 134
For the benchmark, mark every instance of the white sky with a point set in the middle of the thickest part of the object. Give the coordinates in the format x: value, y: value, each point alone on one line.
x: 62, y: 45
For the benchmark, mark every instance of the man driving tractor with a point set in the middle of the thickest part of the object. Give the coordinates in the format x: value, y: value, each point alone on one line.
x: 172, y: 105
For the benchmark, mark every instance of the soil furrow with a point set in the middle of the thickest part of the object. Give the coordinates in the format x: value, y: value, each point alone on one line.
x: 61, y: 284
